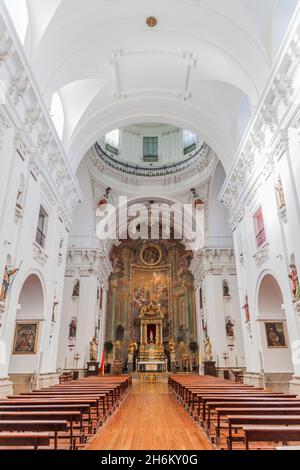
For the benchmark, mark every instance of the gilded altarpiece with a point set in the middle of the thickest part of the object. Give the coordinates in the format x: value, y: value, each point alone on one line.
x: 144, y: 274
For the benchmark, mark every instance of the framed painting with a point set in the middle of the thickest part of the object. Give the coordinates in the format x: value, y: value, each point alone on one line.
x: 276, y: 334
x: 26, y: 338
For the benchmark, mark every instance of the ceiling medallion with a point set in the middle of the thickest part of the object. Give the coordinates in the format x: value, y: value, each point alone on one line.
x: 151, y: 21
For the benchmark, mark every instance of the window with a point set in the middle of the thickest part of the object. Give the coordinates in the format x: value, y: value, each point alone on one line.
x: 189, y: 142
x: 41, y: 228
x: 150, y: 149
x: 259, y: 228
x: 112, y: 142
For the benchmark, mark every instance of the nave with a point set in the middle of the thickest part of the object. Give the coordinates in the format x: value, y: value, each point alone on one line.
x: 150, y: 419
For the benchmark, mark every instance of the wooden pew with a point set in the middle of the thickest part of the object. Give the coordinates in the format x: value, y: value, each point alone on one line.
x: 271, y: 434
x: 241, y: 421
x: 70, y: 417
x: 24, y: 439
x: 224, y: 412
x: 35, y: 426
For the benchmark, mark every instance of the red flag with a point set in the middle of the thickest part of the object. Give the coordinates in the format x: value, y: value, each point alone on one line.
x: 102, y: 365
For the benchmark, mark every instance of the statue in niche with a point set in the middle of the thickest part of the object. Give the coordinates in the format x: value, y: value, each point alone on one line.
x: 229, y: 328
x: 117, y: 264
x: 7, y: 282
x: 76, y: 290
x: 94, y: 350
x: 172, y: 346
x: 280, y: 193
x: 73, y: 328
x: 295, y: 282
x: 246, y: 308
x: 226, y: 292
x: 208, y: 355
x: 120, y: 331
x: 181, y: 334
x: 132, y: 347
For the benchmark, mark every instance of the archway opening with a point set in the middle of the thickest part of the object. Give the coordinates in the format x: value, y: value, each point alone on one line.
x: 25, y: 353
x: 276, y: 352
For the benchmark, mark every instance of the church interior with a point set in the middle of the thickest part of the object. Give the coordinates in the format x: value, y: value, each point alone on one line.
x: 149, y: 225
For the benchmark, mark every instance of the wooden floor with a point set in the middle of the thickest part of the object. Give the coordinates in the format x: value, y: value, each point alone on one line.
x: 150, y: 419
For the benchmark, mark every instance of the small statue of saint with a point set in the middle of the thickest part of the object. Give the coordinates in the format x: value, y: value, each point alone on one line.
x: 208, y: 355
x: 172, y: 346
x: 280, y: 193
x: 247, y: 310
x: 8, y: 273
x: 132, y: 347
x: 229, y: 328
x: 76, y: 290
x: 94, y: 350
x: 225, y: 289
x: 295, y: 282
x: 73, y: 328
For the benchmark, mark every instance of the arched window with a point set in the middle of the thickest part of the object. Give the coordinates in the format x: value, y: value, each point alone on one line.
x: 57, y: 114
x: 19, y: 15
x: 189, y: 141
x: 112, y: 141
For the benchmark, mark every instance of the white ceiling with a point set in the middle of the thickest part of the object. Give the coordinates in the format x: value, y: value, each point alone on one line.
x: 203, y: 67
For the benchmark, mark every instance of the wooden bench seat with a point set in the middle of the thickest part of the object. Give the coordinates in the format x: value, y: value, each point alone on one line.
x: 25, y: 439
x: 240, y: 421
x: 271, y: 434
x: 35, y: 426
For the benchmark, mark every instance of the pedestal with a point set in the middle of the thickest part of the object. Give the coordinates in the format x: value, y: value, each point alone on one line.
x: 93, y: 368
x: 210, y: 368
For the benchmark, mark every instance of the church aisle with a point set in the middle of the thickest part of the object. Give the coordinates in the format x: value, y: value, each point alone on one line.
x: 150, y: 419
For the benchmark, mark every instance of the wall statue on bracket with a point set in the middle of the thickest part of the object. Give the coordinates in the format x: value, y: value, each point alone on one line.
x: 295, y: 282
x: 280, y: 194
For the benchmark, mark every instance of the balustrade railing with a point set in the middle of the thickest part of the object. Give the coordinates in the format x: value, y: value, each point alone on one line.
x: 155, y: 171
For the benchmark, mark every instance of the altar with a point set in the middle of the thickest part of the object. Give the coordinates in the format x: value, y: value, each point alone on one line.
x: 151, y: 355
x: 150, y: 366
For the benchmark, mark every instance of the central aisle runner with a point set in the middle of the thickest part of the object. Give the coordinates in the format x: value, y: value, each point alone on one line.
x: 150, y: 419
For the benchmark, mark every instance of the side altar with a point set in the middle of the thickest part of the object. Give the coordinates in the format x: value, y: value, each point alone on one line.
x: 151, y: 356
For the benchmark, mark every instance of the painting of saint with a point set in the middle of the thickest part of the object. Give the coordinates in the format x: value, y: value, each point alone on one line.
x: 276, y: 336
x: 26, y: 338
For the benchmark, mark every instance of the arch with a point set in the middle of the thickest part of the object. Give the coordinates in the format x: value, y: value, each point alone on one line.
x: 121, y: 229
x: 149, y: 110
x: 31, y: 299
x: 275, y: 346
x: 25, y: 354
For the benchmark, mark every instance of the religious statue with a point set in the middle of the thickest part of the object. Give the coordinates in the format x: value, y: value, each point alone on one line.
x: 280, y: 192
x: 76, y: 290
x: 73, y: 328
x: 229, y: 327
x: 8, y: 273
x: 172, y: 346
x: 225, y: 289
x: 208, y: 355
x: 247, y: 310
x: 132, y: 347
x: 117, y: 264
x: 295, y: 282
x: 94, y: 350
